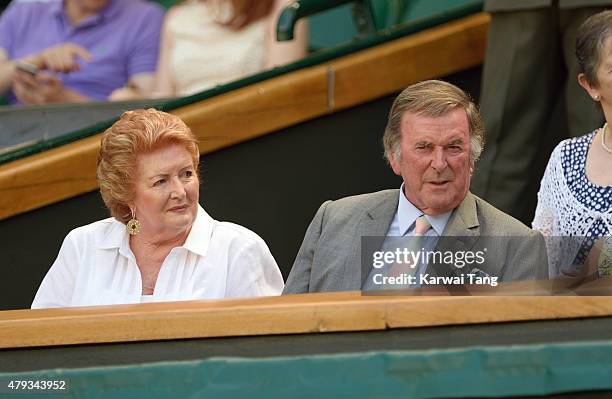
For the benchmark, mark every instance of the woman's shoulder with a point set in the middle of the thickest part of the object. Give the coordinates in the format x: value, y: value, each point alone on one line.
x: 223, y: 236
x: 235, y: 232
x: 573, y: 146
x: 575, y: 142
x: 94, y: 231
x: 186, y: 12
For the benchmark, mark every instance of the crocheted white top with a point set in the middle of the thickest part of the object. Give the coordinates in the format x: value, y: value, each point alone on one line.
x: 570, y: 205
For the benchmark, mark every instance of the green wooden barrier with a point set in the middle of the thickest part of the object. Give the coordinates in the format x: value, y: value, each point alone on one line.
x: 166, y: 3
x: 451, y: 373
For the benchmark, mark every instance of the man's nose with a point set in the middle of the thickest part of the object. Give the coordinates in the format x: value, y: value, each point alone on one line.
x: 438, y: 161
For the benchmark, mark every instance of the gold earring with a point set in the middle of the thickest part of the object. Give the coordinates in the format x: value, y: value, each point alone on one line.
x: 133, y: 225
x: 596, y: 97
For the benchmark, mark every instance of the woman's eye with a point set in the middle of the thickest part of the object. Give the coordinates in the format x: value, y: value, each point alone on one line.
x: 159, y: 182
x: 188, y: 173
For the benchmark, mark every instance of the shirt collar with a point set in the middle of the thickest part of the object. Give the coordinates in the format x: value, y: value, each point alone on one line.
x: 408, y: 213
x: 116, y: 237
x: 200, y: 235
x: 109, y: 11
x: 197, y: 241
x: 112, y: 8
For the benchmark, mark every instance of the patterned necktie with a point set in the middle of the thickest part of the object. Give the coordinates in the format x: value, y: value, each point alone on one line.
x: 421, y: 226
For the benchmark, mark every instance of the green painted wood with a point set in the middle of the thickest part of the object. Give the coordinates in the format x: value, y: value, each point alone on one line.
x: 301, y: 9
x: 475, y: 372
x: 166, y: 3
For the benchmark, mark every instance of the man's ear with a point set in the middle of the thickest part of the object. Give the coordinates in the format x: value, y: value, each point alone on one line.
x: 395, y: 164
x: 592, y: 90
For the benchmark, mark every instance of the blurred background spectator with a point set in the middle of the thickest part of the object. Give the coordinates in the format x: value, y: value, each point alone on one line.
x: 60, y: 51
x: 210, y: 42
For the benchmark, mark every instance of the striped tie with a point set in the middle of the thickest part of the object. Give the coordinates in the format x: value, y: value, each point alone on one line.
x: 421, y: 226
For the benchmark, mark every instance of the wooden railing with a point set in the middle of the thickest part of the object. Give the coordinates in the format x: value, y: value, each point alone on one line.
x: 293, y: 314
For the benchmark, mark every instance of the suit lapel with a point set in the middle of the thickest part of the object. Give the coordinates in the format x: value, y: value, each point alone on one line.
x: 374, y: 222
x: 464, y: 220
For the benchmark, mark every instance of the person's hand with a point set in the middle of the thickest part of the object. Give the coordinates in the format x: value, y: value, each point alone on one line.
x: 139, y: 86
x: 42, y: 89
x: 127, y: 93
x: 60, y: 58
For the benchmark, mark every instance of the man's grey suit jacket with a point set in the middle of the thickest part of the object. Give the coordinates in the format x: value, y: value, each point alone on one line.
x: 330, y: 256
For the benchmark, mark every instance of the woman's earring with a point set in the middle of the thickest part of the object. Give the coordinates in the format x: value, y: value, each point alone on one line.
x: 596, y: 98
x: 133, y: 225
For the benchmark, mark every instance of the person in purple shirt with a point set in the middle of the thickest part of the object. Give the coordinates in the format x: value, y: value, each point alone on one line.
x: 77, y: 50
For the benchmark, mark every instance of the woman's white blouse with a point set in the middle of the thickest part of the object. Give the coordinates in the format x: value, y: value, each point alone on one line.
x: 96, y: 266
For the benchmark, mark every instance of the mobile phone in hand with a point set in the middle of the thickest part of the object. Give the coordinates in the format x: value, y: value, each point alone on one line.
x: 27, y: 67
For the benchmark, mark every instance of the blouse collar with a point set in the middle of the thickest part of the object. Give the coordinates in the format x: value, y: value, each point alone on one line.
x: 197, y: 241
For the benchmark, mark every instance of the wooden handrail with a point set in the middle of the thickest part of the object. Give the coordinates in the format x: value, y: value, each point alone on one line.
x: 262, y: 108
x: 307, y: 313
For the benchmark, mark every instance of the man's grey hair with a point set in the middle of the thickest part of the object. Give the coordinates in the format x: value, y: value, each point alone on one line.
x: 432, y: 98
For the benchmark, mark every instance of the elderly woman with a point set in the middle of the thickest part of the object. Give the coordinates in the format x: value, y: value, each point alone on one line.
x: 575, y: 198
x: 159, y: 244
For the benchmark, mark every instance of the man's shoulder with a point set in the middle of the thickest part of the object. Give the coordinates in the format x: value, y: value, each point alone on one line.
x: 25, y: 10
x: 33, y: 4
x: 496, y: 222
x: 363, y: 202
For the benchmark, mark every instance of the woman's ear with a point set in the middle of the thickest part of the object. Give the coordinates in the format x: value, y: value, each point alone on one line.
x: 131, y: 208
x: 592, y: 90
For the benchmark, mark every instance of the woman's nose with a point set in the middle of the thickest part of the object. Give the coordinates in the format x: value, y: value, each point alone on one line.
x: 177, y: 189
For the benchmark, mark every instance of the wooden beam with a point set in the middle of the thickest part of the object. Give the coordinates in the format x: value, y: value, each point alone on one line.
x: 293, y: 314
x: 51, y: 176
x: 255, y: 110
x: 262, y: 108
x: 391, y: 67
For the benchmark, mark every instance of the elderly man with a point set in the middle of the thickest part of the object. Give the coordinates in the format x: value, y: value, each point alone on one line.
x: 433, y: 137
x: 61, y: 51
